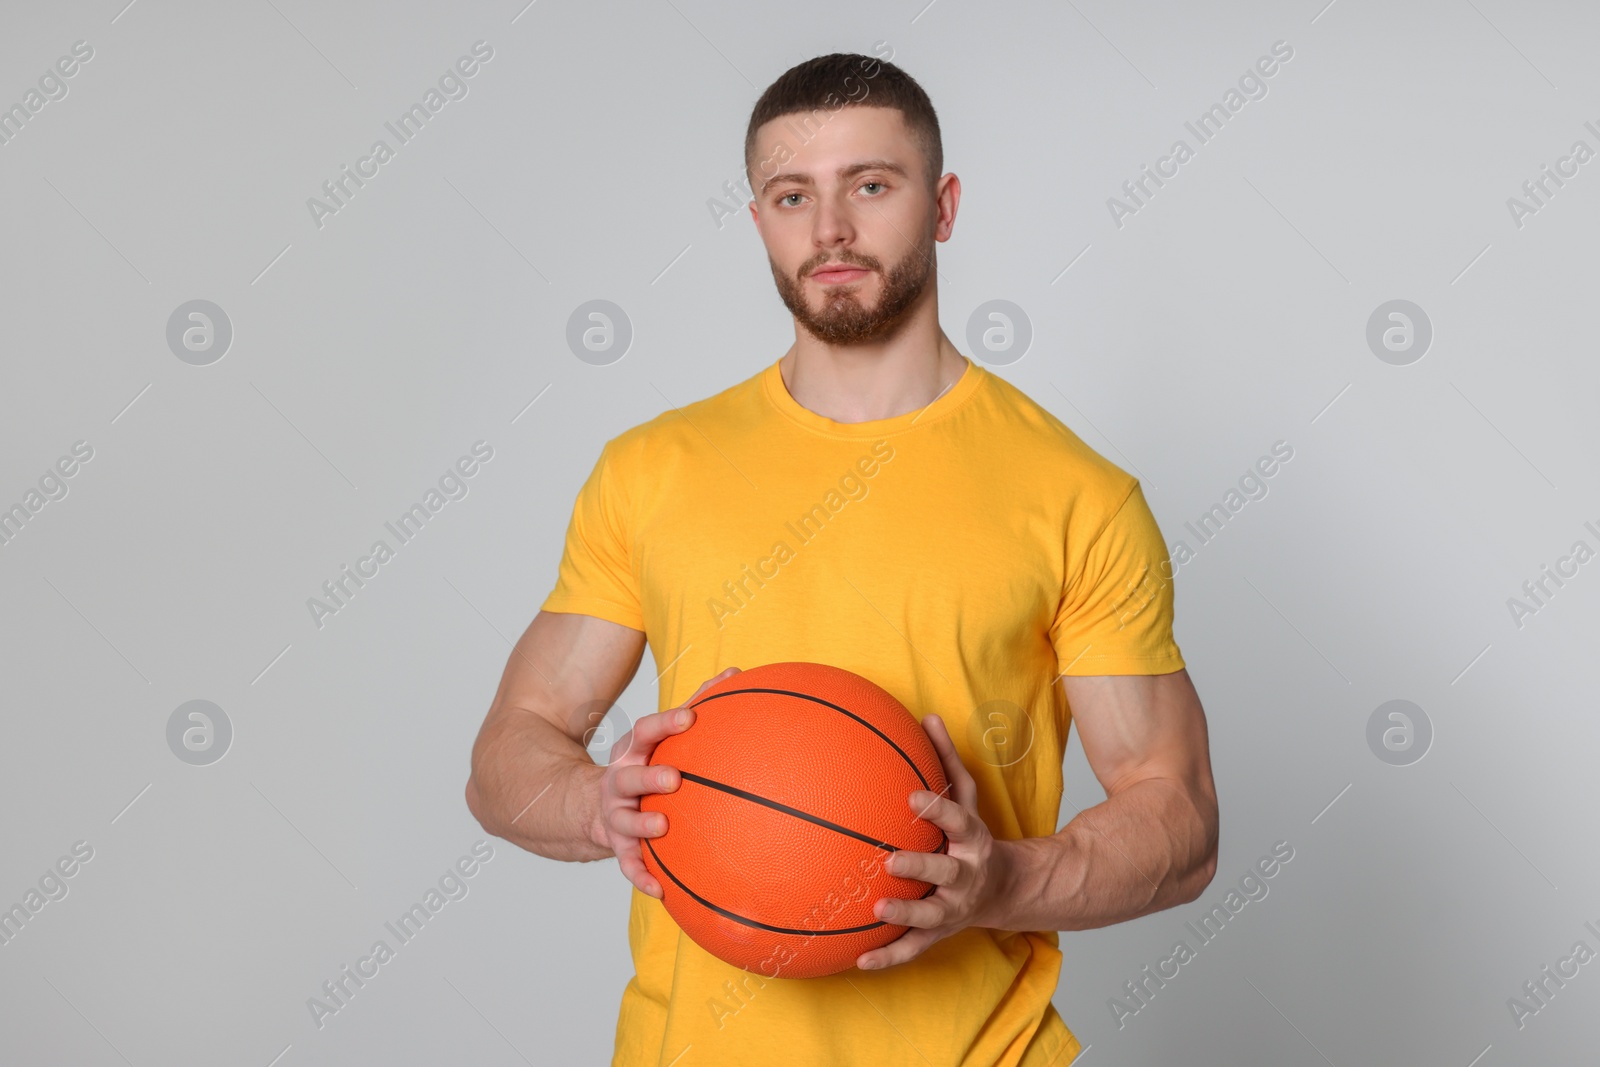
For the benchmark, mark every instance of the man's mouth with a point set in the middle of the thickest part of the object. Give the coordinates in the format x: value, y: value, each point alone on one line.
x: 839, y: 273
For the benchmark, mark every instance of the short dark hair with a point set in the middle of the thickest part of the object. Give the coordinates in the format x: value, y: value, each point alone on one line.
x: 846, y: 79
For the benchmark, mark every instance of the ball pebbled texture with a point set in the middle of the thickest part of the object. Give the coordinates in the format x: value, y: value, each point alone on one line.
x: 794, y: 786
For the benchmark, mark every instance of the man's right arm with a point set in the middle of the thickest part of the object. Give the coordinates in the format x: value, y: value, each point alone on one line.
x: 533, y: 782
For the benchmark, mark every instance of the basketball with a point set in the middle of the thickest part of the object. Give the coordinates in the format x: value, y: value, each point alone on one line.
x: 794, y: 787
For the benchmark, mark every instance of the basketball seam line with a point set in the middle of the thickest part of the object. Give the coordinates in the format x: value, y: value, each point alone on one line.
x: 843, y: 711
x: 742, y: 919
x: 756, y: 923
x: 796, y: 812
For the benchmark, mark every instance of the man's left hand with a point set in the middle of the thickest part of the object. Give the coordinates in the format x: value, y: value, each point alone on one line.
x: 970, y: 876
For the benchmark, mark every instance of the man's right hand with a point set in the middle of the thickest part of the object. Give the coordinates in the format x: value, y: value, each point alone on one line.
x: 628, y: 776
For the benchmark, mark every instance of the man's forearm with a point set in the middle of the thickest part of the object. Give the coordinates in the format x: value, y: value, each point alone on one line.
x: 1146, y: 848
x: 534, y: 786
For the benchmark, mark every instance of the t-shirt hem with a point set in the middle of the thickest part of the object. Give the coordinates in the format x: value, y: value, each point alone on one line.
x: 1123, y: 664
x: 600, y: 609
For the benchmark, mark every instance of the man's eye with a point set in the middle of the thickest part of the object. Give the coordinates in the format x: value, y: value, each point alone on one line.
x: 878, y: 184
x: 786, y: 197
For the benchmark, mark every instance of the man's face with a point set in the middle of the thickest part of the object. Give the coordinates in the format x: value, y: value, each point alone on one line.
x: 847, y: 219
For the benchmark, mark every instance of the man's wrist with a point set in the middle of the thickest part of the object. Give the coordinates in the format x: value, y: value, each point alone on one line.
x: 1007, y: 862
x: 1030, y: 871
x: 590, y: 778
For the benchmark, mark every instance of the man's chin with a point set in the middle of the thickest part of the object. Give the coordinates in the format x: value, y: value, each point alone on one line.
x: 854, y: 331
x: 830, y: 291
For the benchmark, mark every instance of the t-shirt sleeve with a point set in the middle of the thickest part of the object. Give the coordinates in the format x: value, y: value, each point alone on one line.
x: 596, y: 575
x: 1115, y: 615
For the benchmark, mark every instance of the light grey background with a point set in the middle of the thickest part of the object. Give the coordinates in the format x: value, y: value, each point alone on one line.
x: 368, y: 354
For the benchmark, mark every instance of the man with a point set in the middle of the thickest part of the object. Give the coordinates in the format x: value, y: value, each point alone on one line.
x: 876, y: 501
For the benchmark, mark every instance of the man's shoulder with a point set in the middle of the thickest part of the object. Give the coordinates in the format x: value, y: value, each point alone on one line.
x: 685, y: 426
x: 1047, y: 445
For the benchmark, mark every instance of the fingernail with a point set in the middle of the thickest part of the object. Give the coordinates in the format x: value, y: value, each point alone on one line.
x: 683, y: 717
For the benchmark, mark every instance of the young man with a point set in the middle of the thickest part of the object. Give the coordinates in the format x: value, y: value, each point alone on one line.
x: 876, y: 501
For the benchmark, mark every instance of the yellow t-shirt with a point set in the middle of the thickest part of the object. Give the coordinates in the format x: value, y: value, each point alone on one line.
x: 962, y: 557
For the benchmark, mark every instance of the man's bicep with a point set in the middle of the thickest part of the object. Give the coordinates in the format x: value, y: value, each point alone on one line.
x: 569, y: 668
x: 1138, y: 726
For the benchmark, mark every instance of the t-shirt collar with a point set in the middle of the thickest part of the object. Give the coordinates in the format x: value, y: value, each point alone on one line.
x: 777, y: 393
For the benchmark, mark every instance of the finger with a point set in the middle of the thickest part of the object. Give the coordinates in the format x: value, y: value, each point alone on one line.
x: 946, y: 814
x: 631, y: 860
x: 626, y: 822
x: 637, y: 873
x: 962, y: 787
x: 924, y: 914
x: 937, y: 868
x: 636, y: 779
x: 650, y: 730
x: 709, y: 682
x: 902, y: 949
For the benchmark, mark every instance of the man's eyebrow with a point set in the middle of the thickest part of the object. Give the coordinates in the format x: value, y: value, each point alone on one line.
x: 844, y: 172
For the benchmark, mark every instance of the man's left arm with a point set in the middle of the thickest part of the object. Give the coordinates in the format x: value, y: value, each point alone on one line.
x: 1151, y: 844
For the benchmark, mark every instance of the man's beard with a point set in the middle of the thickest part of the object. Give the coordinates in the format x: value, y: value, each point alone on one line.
x: 844, y: 319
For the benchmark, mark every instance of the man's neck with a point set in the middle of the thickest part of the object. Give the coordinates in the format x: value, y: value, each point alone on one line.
x: 864, y: 383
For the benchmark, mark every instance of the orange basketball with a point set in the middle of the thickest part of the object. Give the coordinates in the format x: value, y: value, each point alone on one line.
x: 795, y: 779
